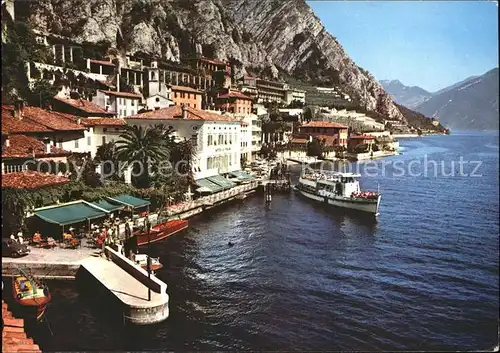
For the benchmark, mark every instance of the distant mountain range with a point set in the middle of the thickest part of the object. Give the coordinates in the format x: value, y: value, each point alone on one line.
x: 469, y: 104
x: 410, y: 97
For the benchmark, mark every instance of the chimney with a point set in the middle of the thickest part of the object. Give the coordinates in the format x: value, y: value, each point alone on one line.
x: 184, y: 112
x: 18, y: 109
x: 47, y: 145
x: 7, y: 141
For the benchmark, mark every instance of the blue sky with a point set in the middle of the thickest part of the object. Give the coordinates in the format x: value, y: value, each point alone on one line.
x: 430, y: 44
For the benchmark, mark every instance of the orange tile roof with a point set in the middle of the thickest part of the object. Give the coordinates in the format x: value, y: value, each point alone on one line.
x: 21, y: 146
x: 36, y: 119
x: 329, y: 140
x: 123, y: 94
x: 50, y: 119
x: 31, y: 180
x: 103, y: 122
x: 185, y: 89
x: 362, y: 137
x: 326, y: 124
x: 14, y: 338
x: 102, y: 62
x: 300, y: 140
x: 234, y: 95
x: 84, y: 105
x: 175, y: 113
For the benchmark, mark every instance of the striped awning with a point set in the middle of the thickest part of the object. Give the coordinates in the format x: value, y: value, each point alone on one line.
x: 221, y: 181
x: 208, y: 186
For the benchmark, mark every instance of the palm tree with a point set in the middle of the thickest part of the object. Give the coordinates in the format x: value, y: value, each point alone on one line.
x: 140, y: 145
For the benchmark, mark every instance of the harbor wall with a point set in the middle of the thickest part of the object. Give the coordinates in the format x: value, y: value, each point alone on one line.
x: 62, y: 271
x: 135, y: 271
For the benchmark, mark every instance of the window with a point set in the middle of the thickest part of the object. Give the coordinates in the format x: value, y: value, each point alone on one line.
x: 195, y: 106
x: 89, y: 140
x: 183, y: 95
x: 59, y: 142
x: 175, y: 94
x: 105, y: 129
x: 157, y: 99
x: 221, y: 139
x: 157, y: 108
x: 76, y: 143
x: 210, y: 140
x: 189, y: 95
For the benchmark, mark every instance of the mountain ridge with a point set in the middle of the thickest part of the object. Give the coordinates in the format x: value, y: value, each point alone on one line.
x: 260, y: 37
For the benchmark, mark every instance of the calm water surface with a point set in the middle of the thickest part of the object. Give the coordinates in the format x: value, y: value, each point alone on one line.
x: 300, y: 276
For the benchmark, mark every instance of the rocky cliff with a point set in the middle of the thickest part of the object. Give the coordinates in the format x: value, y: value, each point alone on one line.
x: 260, y: 37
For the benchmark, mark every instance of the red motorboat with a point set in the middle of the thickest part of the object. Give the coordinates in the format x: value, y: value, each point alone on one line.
x: 160, y: 231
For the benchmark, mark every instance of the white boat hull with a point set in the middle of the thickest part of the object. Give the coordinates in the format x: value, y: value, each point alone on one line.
x: 369, y: 206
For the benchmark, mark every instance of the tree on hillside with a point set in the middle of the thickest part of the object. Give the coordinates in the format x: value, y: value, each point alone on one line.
x: 315, y: 148
x: 41, y: 94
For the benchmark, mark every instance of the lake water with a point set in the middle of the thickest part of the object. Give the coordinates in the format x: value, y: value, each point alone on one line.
x: 424, y: 276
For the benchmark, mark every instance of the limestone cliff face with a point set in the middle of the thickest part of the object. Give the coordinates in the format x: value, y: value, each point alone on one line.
x: 297, y: 42
x: 260, y: 36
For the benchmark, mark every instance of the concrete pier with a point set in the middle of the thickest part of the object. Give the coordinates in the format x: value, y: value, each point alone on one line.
x: 129, y: 284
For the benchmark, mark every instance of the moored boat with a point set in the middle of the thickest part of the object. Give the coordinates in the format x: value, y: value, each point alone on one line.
x: 142, y: 260
x: 338, y: 189
x: 160, y: 231
x: 31, y: 293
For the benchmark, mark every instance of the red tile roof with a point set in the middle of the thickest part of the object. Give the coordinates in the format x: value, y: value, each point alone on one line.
x: 36, y: 119
x: 31, y: 180
x: 325, y: 124
x: 123, y: 94
x: 102, y: 62
x: 84, y: 105
x: 14, y: 338
x: 362, y: 137
x: 21, y: 146
x: 103, y: 122
x: 185, y: 89
x: 238, y: 95
x: 175, y: 113
x: 300, y: 140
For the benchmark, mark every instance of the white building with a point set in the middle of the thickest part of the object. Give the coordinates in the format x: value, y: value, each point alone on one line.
x: 217, y: 137
x: 159, y: 94
x: 293, y: 94
x: 123, y: 103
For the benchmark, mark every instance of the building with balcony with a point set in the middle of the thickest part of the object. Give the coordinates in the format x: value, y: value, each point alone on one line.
x: 190, y: 97
x: 234, y: 102
x: 217, y: 137
x: 120, y: 103
x: 292, y: 94
x: 337, y: 133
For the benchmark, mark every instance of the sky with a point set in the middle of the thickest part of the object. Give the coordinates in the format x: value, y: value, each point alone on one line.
x: 430, y: 44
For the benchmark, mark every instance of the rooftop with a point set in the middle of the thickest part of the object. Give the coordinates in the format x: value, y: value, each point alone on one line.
x: 103, y: 122
x: 238, y: 95
x: 34, y: 119
x: 123, y: 94
x: 21, y: 146
x: 175, y: 113
x: 102, y: 62
x: 361, y: 137
x: 31, y: 180
x: 185, y: 89
x: 325, y: 124
x: 83, y: 105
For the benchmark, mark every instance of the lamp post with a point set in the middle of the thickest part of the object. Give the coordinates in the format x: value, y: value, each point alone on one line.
x: 148, y: 265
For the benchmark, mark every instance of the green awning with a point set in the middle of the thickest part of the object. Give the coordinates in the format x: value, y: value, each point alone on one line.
x: 110, y: 207
x: 207, y: 184
x: 220, y: 180
x: 69, y: 214
x: 129, y: 200
x: 241, y: 175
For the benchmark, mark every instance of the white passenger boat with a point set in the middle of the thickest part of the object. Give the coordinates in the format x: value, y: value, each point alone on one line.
x: 338, y: 189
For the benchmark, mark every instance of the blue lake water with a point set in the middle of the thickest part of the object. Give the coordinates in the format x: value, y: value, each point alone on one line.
x: 424, y: 276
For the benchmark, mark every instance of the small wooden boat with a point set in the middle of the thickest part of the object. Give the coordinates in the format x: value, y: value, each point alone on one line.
x: 30, y: 293
x: 161, y: 231
x: 142, y: 260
